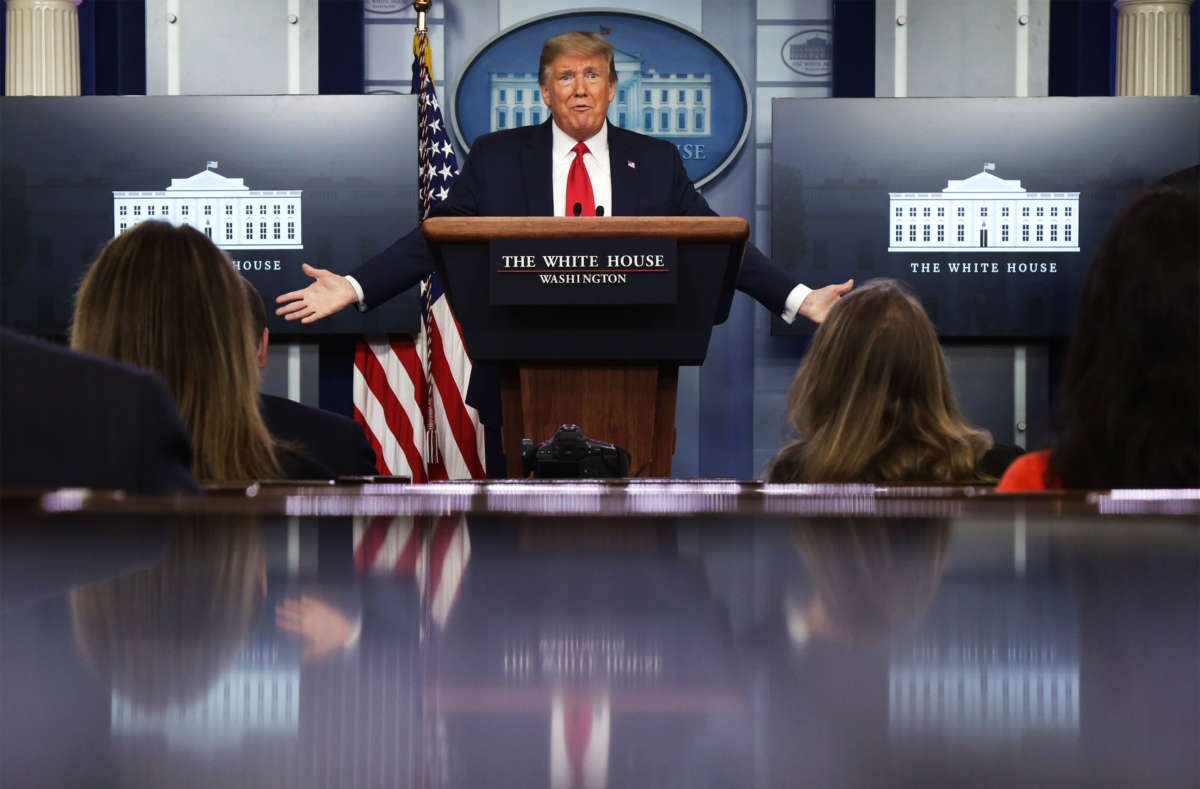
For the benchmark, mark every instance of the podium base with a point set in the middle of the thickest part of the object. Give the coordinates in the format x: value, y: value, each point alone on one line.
x: 630, y: 405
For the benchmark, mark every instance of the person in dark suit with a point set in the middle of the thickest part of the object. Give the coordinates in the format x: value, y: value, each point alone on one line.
x: 332, y: 440
x: 1187, y: 179
x: 76, y: 420
x: 575, y: 159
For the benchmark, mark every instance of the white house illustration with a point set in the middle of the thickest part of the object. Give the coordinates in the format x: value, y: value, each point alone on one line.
x: 678, y: 105
x: 258, y: 696
x: 978, y: 701
x: 983, y: 213
x: 229, y: 212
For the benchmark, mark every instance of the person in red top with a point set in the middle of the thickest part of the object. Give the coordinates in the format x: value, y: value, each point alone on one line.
x: 1130, y: 402
x: 1028, y: 472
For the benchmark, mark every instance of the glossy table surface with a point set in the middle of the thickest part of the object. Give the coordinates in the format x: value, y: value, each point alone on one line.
x: 692, y: 634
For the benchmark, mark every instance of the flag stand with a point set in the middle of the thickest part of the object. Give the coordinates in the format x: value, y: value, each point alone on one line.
x: 429, y: 429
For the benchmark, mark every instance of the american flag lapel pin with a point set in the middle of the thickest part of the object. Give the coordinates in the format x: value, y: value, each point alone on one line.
x: 631, y: 164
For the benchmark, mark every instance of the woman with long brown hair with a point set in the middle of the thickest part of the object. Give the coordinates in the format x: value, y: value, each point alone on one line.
x: 166, y: 298
x: 161, y: 636
x: 1130, y: 397
x: 872, y: 401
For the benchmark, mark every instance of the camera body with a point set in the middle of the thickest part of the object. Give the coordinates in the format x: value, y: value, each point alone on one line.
x: 572, y: 455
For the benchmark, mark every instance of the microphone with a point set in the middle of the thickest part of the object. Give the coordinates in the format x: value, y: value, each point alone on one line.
x: 599, y: 210
x: 577, y: 209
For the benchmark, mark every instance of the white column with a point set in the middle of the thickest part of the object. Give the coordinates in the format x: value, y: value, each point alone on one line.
x: 1153, y: 48
x: 42, y: 45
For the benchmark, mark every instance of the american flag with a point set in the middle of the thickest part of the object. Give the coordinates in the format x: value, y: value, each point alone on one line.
x: 410, y: 393
x: 434, y: 551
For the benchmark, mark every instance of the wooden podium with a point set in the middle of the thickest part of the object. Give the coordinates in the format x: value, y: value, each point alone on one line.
x: 610, y: 368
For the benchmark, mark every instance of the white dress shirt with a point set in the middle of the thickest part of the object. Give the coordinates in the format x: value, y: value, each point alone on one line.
x: 595, y: 161
x: 597, y: 164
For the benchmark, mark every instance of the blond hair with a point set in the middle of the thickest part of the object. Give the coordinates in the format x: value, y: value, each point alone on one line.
x: 576, y: 43
x: 165, y: 298
x: 161, y: 636
x: 872, y: 399
x: 872, y: 579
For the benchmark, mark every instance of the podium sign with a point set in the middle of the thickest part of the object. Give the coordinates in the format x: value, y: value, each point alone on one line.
x: 603, y: 355
x: 533, y: 271
x: 554, y: 329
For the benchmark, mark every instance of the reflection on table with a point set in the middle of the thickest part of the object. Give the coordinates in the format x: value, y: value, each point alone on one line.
x: 640, y: 635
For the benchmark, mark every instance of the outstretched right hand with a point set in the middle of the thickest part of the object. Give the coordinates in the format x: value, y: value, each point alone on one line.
x: 323, y: 627
x: 327, y: 294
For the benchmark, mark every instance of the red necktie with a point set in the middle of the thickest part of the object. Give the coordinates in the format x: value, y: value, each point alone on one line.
x: 579, y: 186
x: 577, y: 726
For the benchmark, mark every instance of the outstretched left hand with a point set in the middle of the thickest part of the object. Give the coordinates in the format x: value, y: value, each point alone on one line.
x: 816, y: 305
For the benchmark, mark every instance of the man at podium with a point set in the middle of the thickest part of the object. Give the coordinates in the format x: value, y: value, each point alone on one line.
x: 575, y: 164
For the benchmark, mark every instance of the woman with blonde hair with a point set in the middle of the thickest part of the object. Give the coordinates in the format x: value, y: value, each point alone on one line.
x: 166, y: 298
x: 161, y: 636
x: 872, y: 401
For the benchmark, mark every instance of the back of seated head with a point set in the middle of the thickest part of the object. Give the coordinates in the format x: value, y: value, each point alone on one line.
x: 74, y: 420
x: 871, y: 578
x: 1130, y: 398
x: 258, y: 310
x: 1187, y: 178
x: 166, y: 298
x: 311, y: 442
x: 872, y: 399
x: 162, y: 636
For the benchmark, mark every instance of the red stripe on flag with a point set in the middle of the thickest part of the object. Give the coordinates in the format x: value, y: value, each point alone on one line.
x: 405, y: 348
x: 372, y: 541
x: 407, y: 561
x: 380, y: 464
x: 462, y: 341
x: 456, y: 410
x: 393, y: 414
x: 439, y: 545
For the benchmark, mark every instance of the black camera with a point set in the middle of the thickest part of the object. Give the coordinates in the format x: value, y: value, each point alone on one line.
x: 571, y: 455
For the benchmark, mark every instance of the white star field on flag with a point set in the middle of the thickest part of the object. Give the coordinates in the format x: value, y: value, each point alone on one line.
x: 438, y: 166
x: 406, y: 389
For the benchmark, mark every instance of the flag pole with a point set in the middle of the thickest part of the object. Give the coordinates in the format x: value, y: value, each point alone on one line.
x: 453, y: 430
x: 433, y: 458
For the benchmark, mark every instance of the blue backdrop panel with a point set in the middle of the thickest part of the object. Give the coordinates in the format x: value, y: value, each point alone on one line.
x: 834, y: 176
x: 854, y: 49
x: 665, y: 53
x: 341, y: 60
x: 352, y: 158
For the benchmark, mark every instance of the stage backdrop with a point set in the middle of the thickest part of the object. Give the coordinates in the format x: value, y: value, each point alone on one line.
x: 990, y: 209
x: 672, y: 83
x: 275, y: 180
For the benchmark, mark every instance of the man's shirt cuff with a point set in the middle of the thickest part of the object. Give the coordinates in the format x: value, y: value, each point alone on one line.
x: 791, y: 307
x: 355, y: 635
x: 362, y: 304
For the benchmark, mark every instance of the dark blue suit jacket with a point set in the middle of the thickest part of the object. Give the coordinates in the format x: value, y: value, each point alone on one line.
x: 74, y: 420
x: 509, y: 173
x: 337, y: 443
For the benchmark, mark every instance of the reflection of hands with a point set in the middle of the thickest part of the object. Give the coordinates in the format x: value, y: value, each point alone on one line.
x: 327, y: 294
x: 818, y: 303
x: 323, y: 627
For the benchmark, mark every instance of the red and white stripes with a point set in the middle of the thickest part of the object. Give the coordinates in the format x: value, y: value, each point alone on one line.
x: 433, y: 551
